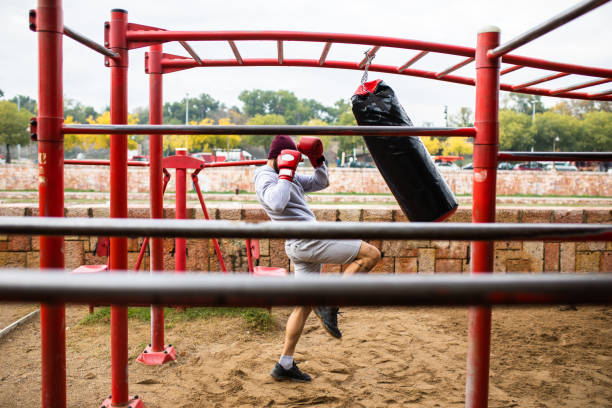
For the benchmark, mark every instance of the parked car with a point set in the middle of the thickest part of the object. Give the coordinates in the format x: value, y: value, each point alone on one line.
x: 469, y: 166
x: 140, y: 158
x: 447, y: 166
x: 537, y: 166
x: 505, y: 166
x: 561, y: 166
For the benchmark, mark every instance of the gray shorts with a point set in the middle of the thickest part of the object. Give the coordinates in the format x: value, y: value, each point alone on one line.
x: 308, y: 255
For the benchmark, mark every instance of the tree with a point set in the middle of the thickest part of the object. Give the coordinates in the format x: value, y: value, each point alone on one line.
x: 523, y: 103
x: 463, y: 118
x: 13, y: 126
x: 284, y: 103
x: 516, y: 131
x: 199, y: 108
x: 458, y: 146
x: 432, y: 144
x: 1, y: 93
x: 595, y: 132
x: 263, y: 141
x: 578, y: 108
x: 78, y: 111
x: 25, y: 102
x: 550, y: 126
x: 87, y: 142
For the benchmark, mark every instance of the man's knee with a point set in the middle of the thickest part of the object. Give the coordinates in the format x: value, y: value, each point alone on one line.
x: 369, y: 254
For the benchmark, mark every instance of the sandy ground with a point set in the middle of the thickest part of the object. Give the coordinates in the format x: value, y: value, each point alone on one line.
x: 541, y: 357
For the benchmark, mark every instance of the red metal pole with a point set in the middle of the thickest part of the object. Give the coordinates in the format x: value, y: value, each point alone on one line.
x: 118, y: 201
x: 180, y: 254
x: 156, y: 182
x: 49, y: 25
x: 483, y: 210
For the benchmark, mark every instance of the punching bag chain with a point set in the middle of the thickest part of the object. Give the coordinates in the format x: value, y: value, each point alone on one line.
x: 364, y: 78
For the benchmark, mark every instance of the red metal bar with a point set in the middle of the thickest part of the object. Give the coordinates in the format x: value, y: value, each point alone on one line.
x: 102, y: 163
x: 540, y: 80
x: 196, y: 183
x: 270, y: 130
x: 324, y: 53
x: 511, y: 69
x: 454, y: 68
x: 412, y: 60
x: 249, y: 256
x: 49, y: 27
x: 118, y: 201
x: 554, y: 156
x: 598, y: 94
x: 483, y: 210
x: 162, y: 36
x: 371, y: 53
x: 237, y: 163
x: 557, y: 66
x: 235, y: 51
x: 581, y: 85
x: 547, y: 26
x: 180, y: 254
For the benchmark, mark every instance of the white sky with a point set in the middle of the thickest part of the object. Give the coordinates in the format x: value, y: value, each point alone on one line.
x: 584, y: 41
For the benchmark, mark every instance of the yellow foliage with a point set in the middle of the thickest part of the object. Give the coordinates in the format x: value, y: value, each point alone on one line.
x: 203, y: 143
x: 432, y: 144
x: 458, y: 146
x: 87, y: 142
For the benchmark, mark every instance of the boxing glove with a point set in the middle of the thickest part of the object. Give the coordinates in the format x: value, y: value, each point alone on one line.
x: 287, y: 161
x: 312, y: 147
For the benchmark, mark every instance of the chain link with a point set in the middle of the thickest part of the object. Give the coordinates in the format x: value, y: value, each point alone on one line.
x: 364, y: 78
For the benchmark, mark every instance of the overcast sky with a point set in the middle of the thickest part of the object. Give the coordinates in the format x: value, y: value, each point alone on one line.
x: 585, y: 41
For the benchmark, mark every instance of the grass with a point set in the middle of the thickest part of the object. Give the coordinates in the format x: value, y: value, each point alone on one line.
x: 256, y: 319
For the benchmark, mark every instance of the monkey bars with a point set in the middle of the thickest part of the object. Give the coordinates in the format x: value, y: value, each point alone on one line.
x: 120, y: 36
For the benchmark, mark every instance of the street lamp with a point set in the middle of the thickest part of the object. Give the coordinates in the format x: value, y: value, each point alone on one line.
x: 555, y: 140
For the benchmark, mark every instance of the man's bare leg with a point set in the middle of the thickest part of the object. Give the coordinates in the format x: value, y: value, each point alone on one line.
x: 295, y: 326
x: 367, y: 258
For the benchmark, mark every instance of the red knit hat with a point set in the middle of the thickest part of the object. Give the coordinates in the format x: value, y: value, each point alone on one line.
x: 280, y: 142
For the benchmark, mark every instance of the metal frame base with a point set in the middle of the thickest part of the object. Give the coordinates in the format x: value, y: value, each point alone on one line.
x: 133, y: 402
x: 150, y: 357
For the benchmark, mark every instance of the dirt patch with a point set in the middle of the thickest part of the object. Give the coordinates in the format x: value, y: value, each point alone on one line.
x: 13, y: 312
x: 541, y: 357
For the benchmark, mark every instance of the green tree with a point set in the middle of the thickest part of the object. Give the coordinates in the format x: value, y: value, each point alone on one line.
x: 551, y: 128
x: 515, y: 131
x: 463, y: 118
x: 79, y: 112
x: 578, y: 108
x: 199, y: 108
x: 263, y: 141
x: 595, y: 132
x: 13, y: 126
x: 25, y: 102
x: 284, y: 103
x: 523, y: 103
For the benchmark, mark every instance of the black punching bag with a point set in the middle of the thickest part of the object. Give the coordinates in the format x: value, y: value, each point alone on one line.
x: 403, y: 161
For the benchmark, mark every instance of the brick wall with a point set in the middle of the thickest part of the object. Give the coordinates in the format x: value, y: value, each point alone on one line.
x: 96, y: 178
x: 398, y: 256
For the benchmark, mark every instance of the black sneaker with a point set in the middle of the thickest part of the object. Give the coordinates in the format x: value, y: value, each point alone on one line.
x: 329, y: 318
x: 292, y: 374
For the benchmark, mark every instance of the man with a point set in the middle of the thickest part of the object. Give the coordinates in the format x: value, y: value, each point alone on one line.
x: 281, y: 192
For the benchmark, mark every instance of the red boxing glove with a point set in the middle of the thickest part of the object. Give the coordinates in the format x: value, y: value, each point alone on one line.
x: 287, y: 161
x: 313, y: 148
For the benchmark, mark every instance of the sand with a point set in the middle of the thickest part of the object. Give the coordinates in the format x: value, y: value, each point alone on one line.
x: 393, y: 357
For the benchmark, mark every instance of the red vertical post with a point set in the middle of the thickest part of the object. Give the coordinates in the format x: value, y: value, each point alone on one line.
x: 180, y: 252
x: 156, y: 353
x: 50, y: 27
x: 483, y: 210
x: 118, y: 200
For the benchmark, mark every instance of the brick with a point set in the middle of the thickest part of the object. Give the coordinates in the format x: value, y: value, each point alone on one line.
x: 232, y: 213
x: 406, y: 265
x: 197, y: 258
x: 465, y: 266
x: 33, y: 259
x: 463, y: 214
x: 440, y: 244
x: 456, y: 249
x: 278, y: 257
x: 398, y: 216
x: 140, y: 212
x: 349, y: 214
x: 13, y: 259
x: 19, y: 243
x: 80, y: 212
x: 507, y: 215
x: 3, y: 245
x: 385, y: 265
x: 448, y: 265
x: 508, y: 244
x: 11, y: 210
x: 568, y: 257
x: 90, y: 259
x: 590, y: 246
x: 399, y: 248
x: 518, y: 265
x: 536, y: 216
x: 588, y: 261
x: 73, y: 251
x: 427, y: 259
x: 598, y: 216
x: 572, y: 216
x: 377, y: 215
x: 252, y: 214
x: 134, y: 244
x: 534, y: 251
x: 551, y: 256
x: 101, y: 212
x: 324, y: 214
x: 606, y: 262
x: 501, y: 258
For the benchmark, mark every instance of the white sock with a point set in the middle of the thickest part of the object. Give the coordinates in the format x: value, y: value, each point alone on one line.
x: 286, y: 362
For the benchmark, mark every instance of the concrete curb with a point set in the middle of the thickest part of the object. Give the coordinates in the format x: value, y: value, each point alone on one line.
x: 8, y: 329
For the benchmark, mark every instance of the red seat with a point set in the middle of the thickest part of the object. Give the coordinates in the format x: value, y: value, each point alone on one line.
x: 91, y: 269
x: 269, y: 271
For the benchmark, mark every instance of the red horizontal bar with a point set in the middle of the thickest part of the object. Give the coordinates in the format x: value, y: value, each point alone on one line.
x: 603, y: 93
x: 102, y: 163
x: 582, y: 85
x: 548, y: 92
x: 554, y: 156
x: 236, y: 163
x: 509, y: 70
x: 397, y: 131
x: 163, y: 36
x: 540, y: 80
x: 557, y: 66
